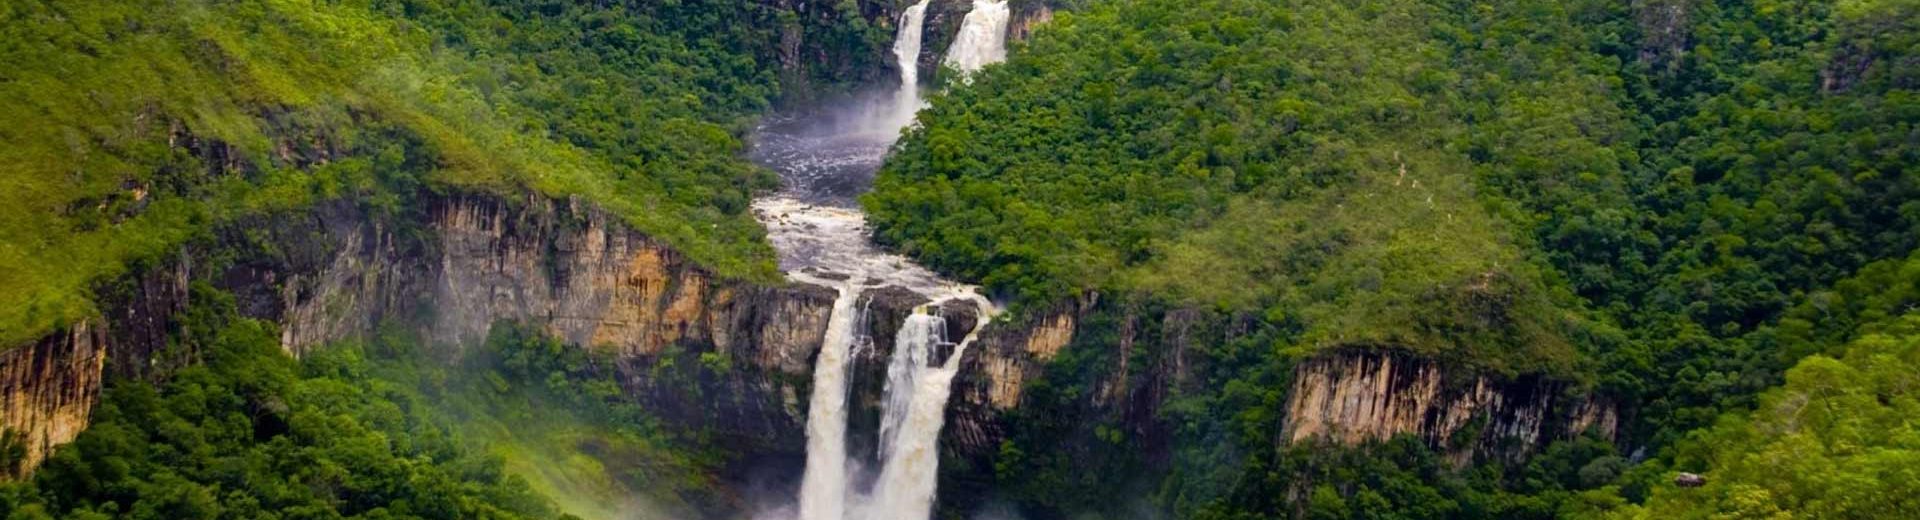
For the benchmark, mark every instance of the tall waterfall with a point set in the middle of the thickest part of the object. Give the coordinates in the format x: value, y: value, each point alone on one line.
x: 911, y: 349
x: 916, y: 394
x: 823, y: 488
x: 916, y: 407
x: 906, y: 53
x: 817, y: 229
x: 983, y: 37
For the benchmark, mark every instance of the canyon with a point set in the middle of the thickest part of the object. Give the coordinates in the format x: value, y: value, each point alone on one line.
x: 466, y: 261
x: 580, y: 275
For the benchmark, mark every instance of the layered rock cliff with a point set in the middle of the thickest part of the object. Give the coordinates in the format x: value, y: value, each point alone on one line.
x: 1357, y: 396
x: 462, y: 263
x: 47, y: 390
x: 1347, y: 396
x: 450, y: 273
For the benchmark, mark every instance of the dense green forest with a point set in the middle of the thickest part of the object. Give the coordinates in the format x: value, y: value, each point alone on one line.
x: 1670, y: 201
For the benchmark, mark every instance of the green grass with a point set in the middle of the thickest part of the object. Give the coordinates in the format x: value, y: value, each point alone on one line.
x: 100, y: 102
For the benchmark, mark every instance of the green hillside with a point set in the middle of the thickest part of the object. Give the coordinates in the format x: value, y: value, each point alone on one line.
x: 1306, y: 162
x: 1704, y: 212
x: 1675, y: 200
x: 130, y: 126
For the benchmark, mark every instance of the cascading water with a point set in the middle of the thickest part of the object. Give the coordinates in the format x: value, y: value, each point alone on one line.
x: 906, y: 53
x: 823, y: 488
x: 911, y: 459
x: 917, y: 338
x: 983, y: 37
x: 822, y: 239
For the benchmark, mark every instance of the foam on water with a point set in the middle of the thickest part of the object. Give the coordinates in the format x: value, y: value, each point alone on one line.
x: 826, y: 160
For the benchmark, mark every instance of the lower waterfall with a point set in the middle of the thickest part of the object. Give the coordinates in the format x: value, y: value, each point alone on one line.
x: 916, y: 409
x: 911, y: 349
x: 823, y: 487
x: 913, y: 413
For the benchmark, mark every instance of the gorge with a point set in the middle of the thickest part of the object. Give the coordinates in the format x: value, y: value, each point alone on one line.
x: 828, y: 245
x: 957, y: 259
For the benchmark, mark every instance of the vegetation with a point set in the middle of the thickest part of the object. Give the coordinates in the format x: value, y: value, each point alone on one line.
x: 133, y: 125
x: 1837, y: 441
x: 250, y: 433
x: 1707, y: 210
x: 1183, y: 149
x: 384, y: 430
x: 1672, y: 200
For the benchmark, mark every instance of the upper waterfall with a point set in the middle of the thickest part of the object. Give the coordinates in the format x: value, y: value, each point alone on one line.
x: 983, y: 37
x: 906, y: 54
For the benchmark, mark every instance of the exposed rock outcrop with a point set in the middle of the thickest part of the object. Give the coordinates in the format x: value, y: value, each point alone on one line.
x: 1028, y: 16
x: 48, y: 388
x: 725, y: 357
x: 1665, y: 31
x: 1355, y: 396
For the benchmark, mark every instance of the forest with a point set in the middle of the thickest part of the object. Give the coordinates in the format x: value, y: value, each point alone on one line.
x: 1700, y: 207
x: 1706, y: 212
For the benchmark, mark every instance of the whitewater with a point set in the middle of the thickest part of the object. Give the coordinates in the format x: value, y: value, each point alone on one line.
x: 825, y: 161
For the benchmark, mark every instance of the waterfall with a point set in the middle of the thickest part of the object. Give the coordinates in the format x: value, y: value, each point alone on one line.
x: 911, y: 348
x: 813, y: 239
x: 983, y: 37
x: 906, y: 52
x: 911, y: 459
x: 823, y: 487
x: 916, y: 394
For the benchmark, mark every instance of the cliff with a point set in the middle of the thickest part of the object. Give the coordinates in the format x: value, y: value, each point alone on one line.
x: 1357, y: 396
x: 1346, y: 396
x: 461, y: 263
x: 47, y: 390
x: 450, y: 272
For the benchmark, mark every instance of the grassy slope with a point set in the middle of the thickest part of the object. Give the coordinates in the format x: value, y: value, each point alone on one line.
x: 100, y: 99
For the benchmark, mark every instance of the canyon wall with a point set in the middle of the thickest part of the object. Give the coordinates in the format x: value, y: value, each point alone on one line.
x: 462, y: 263
x: 450, y: 273
x: 1356, y: 396
x: 47, y: 390
x: 1345, y: 396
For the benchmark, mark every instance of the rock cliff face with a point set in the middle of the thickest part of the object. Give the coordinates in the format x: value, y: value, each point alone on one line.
x: 451, y: 273
x: 1028, y: 16
x: 1345, y: 396
x: 47, y: 390
x: 463, y: 263
x: 1358, y: 396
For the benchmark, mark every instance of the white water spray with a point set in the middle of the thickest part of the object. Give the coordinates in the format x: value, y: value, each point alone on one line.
x: 816, y: 232
x: 983, y: 37
x: 911, y: 461
x: 914, y: 345
x: 823, y: 488
x: 906, y: 53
